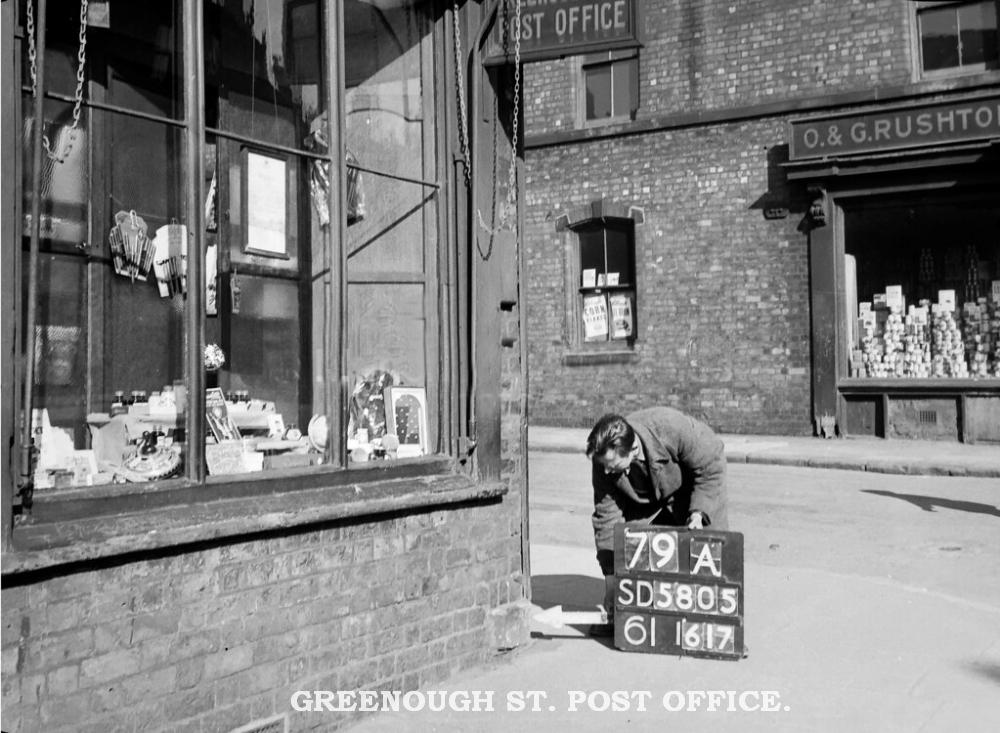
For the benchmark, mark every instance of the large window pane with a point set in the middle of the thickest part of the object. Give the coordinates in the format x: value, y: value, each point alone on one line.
x: 939, y: 38
x: 622, y: 83
x: 978, y: 24
x: 109, y: 343
x: 598, y: 90
x: 264, y: 69
x: 919, y: 288
x: 392, y: 236
x: 269, y: 242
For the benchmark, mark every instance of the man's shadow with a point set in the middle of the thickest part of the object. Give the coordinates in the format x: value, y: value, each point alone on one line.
x: 928, y: 503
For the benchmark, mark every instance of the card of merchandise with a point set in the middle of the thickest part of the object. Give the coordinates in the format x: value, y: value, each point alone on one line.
x: 894, y: 296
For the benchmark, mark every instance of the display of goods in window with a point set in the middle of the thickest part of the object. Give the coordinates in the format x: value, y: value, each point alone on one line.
x: 928, y: 339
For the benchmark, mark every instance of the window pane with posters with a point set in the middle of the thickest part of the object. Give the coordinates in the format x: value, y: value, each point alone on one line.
x: 268, y: 235
x: 108, y: 339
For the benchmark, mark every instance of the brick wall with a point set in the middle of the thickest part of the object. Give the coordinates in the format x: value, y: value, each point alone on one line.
x: 719, y: 54
x: 722, y: 293
x: 211, y: 639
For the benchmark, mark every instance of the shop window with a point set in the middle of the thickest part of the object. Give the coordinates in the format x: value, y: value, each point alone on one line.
x: 610, y: 86
x: 607, y: 281
x: 922, y: 295
x: 113, y: 323
x: 958, y: 36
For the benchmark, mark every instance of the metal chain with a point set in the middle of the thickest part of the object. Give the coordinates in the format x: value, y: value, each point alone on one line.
x: 81, y: 58
x: 463, y: 112
x: 508, y: 212
x: 32, y: 57
x: 512, y: 177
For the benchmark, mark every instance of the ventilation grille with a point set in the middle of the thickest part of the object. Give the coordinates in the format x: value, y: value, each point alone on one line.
x: 277, y: 724
x: 928, y: 417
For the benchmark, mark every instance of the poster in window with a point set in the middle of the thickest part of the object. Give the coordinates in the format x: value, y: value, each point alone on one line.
x: 595, y: 318
x: 266, y: 204
x: 217, y: 416
x: 621, y: 316
x: 406, y: 418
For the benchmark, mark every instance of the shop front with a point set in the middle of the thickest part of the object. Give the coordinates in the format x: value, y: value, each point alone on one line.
x: 254, y: 361
x: 904, y: 242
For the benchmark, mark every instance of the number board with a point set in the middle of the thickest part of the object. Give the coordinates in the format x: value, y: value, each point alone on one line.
x: 679, y: 591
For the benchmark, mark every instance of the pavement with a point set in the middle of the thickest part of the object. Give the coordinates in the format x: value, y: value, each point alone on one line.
x: 922, y: 457
x: 829, y: 665
x: 885, y: 623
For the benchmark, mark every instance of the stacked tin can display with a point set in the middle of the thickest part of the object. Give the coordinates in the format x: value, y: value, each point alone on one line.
x: 928, y: 339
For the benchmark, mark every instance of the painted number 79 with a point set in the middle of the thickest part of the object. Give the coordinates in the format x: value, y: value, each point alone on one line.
x: 651, y: 550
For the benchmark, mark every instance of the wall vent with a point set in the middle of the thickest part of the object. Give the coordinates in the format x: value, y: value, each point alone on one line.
x: 928, y: 417
x: 275, y: 724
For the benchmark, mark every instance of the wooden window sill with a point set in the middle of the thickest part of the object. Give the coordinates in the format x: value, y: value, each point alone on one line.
x: 42, y: 545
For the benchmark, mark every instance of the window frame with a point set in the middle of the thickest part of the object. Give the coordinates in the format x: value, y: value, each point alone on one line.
x: 598, y: 213
x: 335, y: 470
x: 916, y: 45
x: 608, y: 59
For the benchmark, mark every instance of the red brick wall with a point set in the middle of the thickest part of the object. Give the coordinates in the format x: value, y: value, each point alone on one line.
x: 211, y: 639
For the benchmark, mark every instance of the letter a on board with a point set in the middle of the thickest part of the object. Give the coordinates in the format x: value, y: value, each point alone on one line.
x: 703, y: 557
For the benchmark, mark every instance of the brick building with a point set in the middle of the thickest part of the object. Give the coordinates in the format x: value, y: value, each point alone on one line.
x: 332, y: 499
x: 687, y: 245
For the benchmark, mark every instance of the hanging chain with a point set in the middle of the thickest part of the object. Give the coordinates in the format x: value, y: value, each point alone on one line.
x: 81, y: 58
x: 463, y: 112
x: 512, y: 174
x: 32, y: 57
x: 508, y: 212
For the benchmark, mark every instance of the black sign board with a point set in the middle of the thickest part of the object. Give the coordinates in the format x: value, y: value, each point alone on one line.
x: 551, y: 29
x: 679, y: 591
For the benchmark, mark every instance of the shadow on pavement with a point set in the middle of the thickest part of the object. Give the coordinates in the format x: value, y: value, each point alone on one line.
x: 572, y: 592
x: 928, y: 503
x: 989, y: 670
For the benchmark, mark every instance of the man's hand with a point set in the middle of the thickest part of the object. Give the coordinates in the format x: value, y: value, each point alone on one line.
x: 696, y: 521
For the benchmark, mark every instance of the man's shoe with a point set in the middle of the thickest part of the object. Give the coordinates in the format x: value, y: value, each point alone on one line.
x: 602, y: 630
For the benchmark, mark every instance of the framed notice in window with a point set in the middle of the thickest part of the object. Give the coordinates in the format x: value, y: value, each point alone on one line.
x: 406, y: 418
x: 265, y: 204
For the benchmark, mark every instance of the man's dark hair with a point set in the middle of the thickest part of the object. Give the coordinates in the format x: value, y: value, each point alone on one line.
x: 611, y: 431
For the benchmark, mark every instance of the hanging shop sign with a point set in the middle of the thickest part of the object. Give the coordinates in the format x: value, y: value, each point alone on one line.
x: 679, y: 591
x: 551, y: 29
x: 901, y: 127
